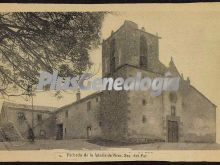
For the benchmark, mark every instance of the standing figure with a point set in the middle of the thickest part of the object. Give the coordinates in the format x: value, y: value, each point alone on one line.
x: 31, y: 135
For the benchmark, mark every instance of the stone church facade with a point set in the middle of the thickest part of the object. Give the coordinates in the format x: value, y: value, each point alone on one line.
x: 137, y: 116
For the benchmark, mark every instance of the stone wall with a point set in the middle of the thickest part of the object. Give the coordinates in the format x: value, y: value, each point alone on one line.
x: 79, y: 118
x: 145, y: 112
x: 199, y: 117
x: 114, y: 112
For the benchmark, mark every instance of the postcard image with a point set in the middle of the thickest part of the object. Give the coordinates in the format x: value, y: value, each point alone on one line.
x: 109, y: 82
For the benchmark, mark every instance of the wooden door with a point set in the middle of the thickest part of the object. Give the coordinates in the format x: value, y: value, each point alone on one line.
x: 173, y: 131
x: 59, y: 133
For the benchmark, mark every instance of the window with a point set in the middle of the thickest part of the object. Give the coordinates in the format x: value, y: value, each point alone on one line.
x: 144, y: 119
x: 42, y: 133
x: 143, y: 52
x: 65, y: 130
x: 144, y: 102
x: 100, y: 123
x: 97, y: 99
x: 173, y: 110
x: 39, y: 117
x: 21, y: 116
x: 89, y: 106
x: 66, y: 114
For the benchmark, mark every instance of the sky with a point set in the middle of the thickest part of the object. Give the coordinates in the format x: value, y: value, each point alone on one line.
x: 191, y: 37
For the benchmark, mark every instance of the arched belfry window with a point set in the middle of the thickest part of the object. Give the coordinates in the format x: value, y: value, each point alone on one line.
x: 112, y: 55
x: 143, y: 51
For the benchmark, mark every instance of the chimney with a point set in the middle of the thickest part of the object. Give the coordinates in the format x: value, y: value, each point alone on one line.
x: 78, y: 95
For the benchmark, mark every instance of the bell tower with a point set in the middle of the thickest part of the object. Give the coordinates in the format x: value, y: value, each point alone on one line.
x: 130, y: 45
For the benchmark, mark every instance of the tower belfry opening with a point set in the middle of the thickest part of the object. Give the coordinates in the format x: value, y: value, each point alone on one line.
x: 143, y: 52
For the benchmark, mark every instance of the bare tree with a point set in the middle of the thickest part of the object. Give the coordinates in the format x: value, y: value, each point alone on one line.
x: 31, y: 42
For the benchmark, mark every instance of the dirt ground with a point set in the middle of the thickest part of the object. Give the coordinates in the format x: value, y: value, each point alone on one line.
x: 83, y: 144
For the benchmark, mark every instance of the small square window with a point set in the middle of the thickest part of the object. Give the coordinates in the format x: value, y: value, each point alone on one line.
x: 144, y: 119
x: 21, y: 116
x: 144, y: 102
x: 173, y: 110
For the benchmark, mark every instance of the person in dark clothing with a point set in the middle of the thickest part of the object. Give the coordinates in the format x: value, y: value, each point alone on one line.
x: 31, y: 135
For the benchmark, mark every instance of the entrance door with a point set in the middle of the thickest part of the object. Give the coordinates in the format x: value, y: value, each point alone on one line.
x: 89, y: 132
x: 172, y: 131
x: 59, y: 133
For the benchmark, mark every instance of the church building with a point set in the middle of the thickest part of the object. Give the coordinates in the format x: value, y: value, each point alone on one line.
x: 137, y: 116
